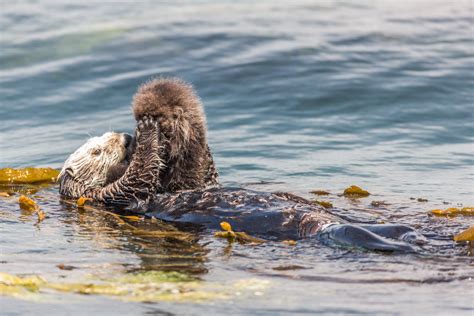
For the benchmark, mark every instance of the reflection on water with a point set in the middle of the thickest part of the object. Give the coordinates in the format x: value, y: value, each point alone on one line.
x: 158, y: 245
x: 299, y: 96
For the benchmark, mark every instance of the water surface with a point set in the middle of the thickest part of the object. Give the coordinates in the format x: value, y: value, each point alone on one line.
x: 298, y: 95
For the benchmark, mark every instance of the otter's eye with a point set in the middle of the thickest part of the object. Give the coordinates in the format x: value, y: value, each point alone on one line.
x: 96, y: 152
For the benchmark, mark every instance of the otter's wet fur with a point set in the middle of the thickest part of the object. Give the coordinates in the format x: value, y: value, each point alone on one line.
x: 171, y: 176
x: 188, y: 162
x: 91, y: 163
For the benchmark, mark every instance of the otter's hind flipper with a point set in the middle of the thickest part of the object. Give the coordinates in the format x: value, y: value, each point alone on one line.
x: 355, y: 236
x: 398, y: 232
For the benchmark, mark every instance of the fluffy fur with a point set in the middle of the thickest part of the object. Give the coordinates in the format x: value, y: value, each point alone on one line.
x: 169, y: 152
x: 100, y: 170
x: 91, y: 162
x: 179, y: 112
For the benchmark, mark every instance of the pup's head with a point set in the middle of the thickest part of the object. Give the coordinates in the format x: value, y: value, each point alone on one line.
x: 92, y: 163
x: 179, y: 111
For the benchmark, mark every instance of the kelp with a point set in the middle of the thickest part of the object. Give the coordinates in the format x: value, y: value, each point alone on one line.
x: 29, y: 205
x: 232, y: 236
x: 162, y: 230
x: 9, y: 189
x: 324, y: 204
x: 466, y: 235
x: 21, y: 287
x: 82, y: 201
x: 319, y: 192
x: 149, y: 286
x: 41, y: 215
x: 454, y: 211
x: 154, y: 277
x: 355, y: 192
x: 25, y: 181
x: 31, y: 283
x: 28, y: 175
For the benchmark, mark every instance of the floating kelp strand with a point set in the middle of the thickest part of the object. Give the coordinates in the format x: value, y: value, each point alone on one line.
x: 28, y: 175
x: 146, y: 286
x: 167, y: 231
x: 454, y: 211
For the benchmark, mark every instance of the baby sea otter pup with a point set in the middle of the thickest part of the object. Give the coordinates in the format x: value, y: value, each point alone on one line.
x: 166, y: 171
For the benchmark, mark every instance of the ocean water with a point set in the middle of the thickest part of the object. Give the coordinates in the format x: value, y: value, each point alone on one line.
x: 299, y: 95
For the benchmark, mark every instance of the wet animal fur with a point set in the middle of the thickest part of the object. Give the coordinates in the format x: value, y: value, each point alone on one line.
x: 188, y: 162
x: 170, y: 153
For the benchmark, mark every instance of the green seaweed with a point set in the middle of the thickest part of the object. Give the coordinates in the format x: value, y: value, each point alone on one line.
x: 149, y: 286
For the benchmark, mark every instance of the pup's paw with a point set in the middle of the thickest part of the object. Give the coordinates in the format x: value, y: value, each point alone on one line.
x: 147, y: 123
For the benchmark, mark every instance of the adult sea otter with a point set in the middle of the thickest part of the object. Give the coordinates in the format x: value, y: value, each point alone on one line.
x: 166, y: 171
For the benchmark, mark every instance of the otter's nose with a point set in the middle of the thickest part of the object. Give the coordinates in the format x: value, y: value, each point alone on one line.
x: 127, y: 139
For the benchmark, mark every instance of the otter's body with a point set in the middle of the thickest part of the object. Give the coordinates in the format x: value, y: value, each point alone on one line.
x: 168, y: 172
x: 268, y: 215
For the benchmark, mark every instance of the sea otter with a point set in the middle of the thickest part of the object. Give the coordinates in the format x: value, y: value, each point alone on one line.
x: 166, y: 171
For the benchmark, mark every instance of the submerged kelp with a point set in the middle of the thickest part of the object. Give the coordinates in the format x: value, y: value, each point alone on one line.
x: 161, y: 229
x: 150, y: 286
x: 21, y: 287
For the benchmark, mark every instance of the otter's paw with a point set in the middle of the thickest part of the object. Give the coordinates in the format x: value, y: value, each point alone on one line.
x: 147, y: 123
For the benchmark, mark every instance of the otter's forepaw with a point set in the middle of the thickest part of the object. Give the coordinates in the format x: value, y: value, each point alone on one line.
x: 147, y: 123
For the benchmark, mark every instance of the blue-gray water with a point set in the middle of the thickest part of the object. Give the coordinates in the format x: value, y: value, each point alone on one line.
x: 299, y: 95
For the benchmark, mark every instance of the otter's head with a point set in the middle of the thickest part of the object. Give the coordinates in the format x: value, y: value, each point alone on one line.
x: 92, y: 164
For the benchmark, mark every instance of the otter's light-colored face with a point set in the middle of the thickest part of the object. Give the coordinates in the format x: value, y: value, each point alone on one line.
x: 90, y: 163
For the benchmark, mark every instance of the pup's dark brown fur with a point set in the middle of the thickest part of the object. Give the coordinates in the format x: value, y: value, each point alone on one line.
x: 186, y: 156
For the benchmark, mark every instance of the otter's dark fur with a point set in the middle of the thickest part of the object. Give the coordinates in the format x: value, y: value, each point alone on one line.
x: 171, y: 176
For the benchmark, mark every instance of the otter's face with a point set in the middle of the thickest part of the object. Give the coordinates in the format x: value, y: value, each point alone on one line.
x: 91, y: 162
